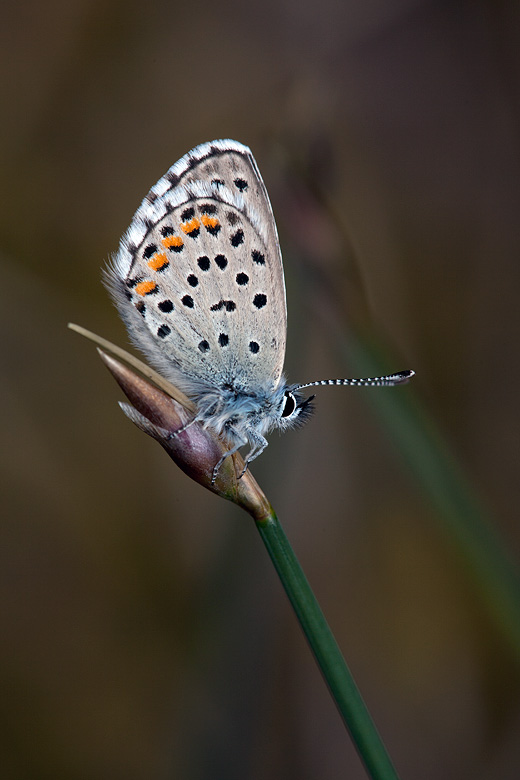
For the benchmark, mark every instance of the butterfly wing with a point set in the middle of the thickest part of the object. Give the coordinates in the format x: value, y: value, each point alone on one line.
x: 198, y: 278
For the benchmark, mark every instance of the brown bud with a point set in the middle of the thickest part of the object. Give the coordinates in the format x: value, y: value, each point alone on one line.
x: 196, y: 450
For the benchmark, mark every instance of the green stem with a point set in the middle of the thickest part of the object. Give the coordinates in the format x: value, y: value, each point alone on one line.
x: 327, y: 653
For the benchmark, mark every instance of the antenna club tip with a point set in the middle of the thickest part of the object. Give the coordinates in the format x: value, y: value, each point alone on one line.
x: 405, y: 376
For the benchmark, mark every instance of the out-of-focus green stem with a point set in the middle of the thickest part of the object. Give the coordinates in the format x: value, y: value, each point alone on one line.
x: 469, y: 527
x: 327, y: 653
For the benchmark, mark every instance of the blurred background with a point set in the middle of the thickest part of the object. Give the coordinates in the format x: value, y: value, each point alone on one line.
x: 144, y: 632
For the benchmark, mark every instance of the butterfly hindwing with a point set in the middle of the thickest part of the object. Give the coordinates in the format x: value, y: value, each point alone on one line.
x: 198, y: 277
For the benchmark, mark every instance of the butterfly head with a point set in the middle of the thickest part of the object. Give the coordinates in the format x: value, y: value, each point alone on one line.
x: 294, y: 409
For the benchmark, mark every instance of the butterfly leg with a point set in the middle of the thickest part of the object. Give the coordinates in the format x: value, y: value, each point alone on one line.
x: 181, y: 430
x: 232, y: 451
x: 259, y: 443
x: 241, y: 442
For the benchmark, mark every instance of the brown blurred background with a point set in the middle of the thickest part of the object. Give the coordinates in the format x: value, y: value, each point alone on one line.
x: 144, y: 633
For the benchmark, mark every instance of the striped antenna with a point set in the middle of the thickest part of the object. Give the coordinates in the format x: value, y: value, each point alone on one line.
x: 400, y: 378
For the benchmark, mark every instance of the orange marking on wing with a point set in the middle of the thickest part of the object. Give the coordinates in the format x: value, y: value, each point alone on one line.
x: 209, y: 222
x: 172, y: 241
x: 144, y: 288
x: 158, y: 261
x: 189, y: 227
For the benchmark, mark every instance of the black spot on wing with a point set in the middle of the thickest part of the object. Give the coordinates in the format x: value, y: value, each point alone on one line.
x: 237, y: 238
x: 260, y: 300
x: 165, y: 306
x: 258, y: 257
x: 188, y: 214
x: 227, y: 305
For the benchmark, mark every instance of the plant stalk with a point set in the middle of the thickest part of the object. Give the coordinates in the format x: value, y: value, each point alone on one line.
x: 327, y: 653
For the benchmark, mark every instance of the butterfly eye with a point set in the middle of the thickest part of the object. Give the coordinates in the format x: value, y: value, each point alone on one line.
x: 289, y: 405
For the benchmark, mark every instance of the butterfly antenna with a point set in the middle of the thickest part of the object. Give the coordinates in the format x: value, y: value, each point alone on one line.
x: 399, y: 378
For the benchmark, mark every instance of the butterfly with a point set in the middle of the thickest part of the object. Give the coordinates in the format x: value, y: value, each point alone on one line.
x: 198, y: 280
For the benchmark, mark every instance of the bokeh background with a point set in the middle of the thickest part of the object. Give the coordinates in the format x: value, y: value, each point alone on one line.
x: 144, y: 632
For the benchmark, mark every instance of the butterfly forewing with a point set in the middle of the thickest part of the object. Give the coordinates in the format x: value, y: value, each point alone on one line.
x: 199, y: 278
